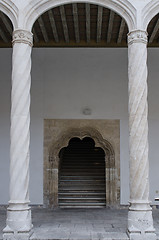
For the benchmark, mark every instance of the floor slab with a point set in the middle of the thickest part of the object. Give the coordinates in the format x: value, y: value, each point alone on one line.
x: 79, y: 224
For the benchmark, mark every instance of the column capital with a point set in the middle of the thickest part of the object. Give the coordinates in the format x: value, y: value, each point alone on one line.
x: 137, y: 36
x: 22, y: 36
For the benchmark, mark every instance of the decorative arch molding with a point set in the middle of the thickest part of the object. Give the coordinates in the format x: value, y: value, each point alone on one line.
x: 52, y: 160
x: 10, y: 9
x: 122, y: 7
x: 81, y: 133
x: 149, y: 11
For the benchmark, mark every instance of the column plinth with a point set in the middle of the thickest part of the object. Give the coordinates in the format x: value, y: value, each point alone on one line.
x: 140, y: 221
x: 18, y: 223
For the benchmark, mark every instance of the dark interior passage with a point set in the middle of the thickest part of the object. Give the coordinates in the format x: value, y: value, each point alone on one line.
x: 82, y: 175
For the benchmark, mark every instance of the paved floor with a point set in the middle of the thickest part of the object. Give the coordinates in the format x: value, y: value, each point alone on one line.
x: 79, y: 224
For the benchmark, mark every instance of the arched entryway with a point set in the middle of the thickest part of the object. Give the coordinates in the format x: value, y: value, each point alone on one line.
x: 82, y: 175
x: 53, y: 161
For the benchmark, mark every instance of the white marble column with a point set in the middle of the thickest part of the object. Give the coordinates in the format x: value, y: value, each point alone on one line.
x: 18, y: 213
x: 140, y: 222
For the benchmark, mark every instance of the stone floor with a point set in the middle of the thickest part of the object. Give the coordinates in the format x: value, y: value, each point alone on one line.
x: 79, y: 224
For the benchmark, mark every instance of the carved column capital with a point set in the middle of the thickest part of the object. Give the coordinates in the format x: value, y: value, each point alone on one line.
x: 137, y: 36
x: 22, y: 36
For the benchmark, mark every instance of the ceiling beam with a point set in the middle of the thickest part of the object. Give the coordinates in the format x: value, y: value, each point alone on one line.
x: 3, y: 36
x: 110, y: 26
x: 43, y: 29
x: 154, y: 32
x: 53, y: 25
x: 64, y: 23
x: 99, y: 23
x: 6, y: 23
x: 88, y: 33
x: 121, y: 31
x: 76, y: 23
x: 36, y: 39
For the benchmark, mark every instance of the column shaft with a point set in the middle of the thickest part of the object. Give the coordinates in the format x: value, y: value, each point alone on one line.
x: 138, y: 124
x: 18, y: 213
x: 140, y: 222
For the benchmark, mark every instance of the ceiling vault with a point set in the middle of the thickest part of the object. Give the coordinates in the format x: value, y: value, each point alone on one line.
x: 121, y: 30
x: 53, y: 26
x: 155, y: 30
x: 76, y: 22
x: 99, y: 23
x: 110, y: 26
x: 79, y: 25
x: 6, y: 22
x: 64, y: 23
x: 43, y: 30
x: 3, y: 36
x: 36, y: 39
x: 88, y: 32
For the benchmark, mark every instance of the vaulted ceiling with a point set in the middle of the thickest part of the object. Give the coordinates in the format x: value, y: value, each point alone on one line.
x: 79, y: 25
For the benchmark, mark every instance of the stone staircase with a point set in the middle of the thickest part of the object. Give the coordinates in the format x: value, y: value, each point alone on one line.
x: 82, y: 178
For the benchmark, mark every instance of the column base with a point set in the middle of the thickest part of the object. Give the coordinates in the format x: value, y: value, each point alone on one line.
x: 18, y: 223
x: 140, y: 221
x: 17, y: 236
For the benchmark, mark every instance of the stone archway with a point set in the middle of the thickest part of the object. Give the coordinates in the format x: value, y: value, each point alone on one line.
x: 36, y: 8
x: 9, y: 8
x: 149, y: 11
x: 51, y: 164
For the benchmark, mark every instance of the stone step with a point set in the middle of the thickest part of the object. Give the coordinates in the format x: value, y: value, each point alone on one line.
x: 80, y: 236
x: 76, y: 188
x: 86, y: 200
x: 82, y: 181
x: 81, y: 193
x: 87, y: 168
x: 68, y: 177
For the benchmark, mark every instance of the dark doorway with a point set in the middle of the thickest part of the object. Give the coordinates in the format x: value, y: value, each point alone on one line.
x: 82, y: 175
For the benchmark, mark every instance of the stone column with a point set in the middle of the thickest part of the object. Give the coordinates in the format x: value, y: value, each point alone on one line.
x: 140, y: 222
x: 18, y: 213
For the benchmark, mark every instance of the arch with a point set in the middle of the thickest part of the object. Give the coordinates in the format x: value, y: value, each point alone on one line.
x: 51, y: 168
x: 124, y: 9
x: 149, y: 11
x: 80, y: 133
x: 9, y: 8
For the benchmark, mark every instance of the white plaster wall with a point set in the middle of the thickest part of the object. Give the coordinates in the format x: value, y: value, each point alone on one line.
x: 153, y: 100
x: 5, y: 83
x: 64, y: 81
